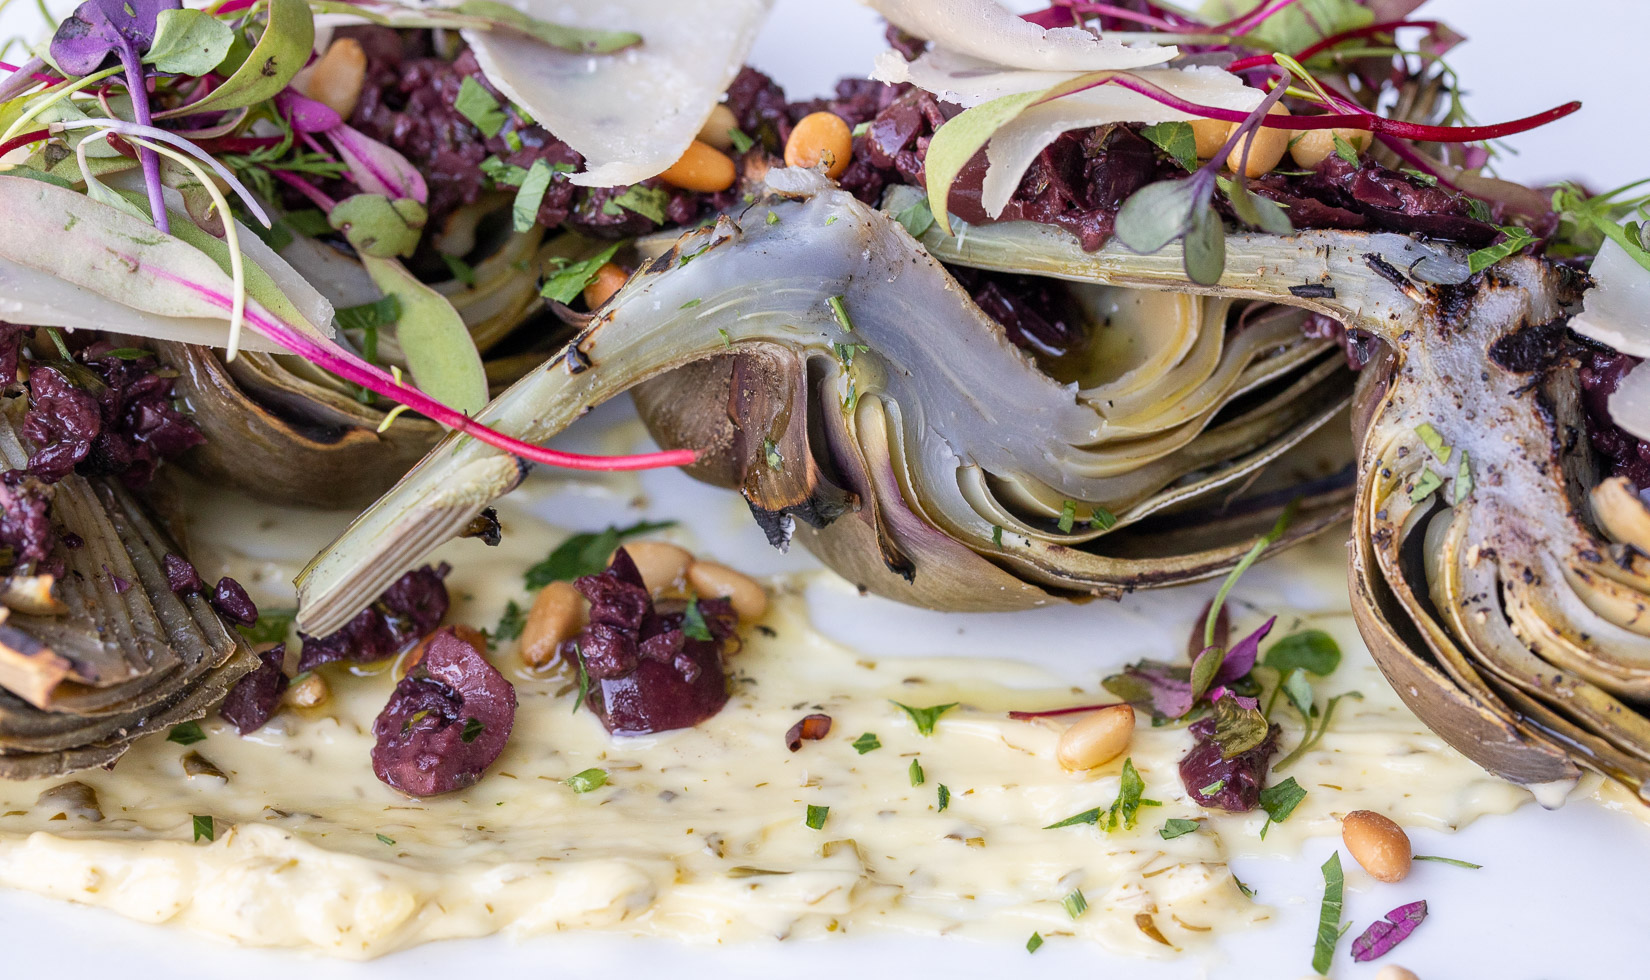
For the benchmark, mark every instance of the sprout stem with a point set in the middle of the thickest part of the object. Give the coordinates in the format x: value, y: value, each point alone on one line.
x: 137, y: 86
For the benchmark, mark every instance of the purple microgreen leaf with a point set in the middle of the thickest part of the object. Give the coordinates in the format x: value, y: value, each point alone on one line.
x: 100, y: 28
x: 306, y: 115
x: 376, y: 168
x: 1379, y: 939
x: 1162, y: 687
x: 1242, y: 701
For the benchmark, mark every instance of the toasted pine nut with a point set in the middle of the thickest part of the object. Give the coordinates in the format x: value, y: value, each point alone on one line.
x: 717, y: 126
x: 715, y: 581
x: 609, y: 279
x: 307, y: 693
x: 1097, y: 739
x: 1377, y: 843
x: 701, y: 167
x: 335, y: 78
x: 820, y: 137
x: 1392, y: 971
x: 1210, y: 135
x: 663, y: 565
x: 556, y: 616
x: 1267, y: 151
x: 1311, y: 147
x: 415, y: 656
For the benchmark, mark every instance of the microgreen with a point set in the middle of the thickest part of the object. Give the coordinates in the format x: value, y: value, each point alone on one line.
x: 1237, y: 728
x: 434, y: 339
x: 1177, y: 140
x: 1444, y: 860
x: 1329, y: 914
x: 379, y: 313
x: 188, y: 42
x: 1312, y: 736
x: 567, y: 281
x: 283, y: 48
x: 585, y: 554
x: 916, y: 218
x: 378, y: 226
x: 924, y: 718
x: 741, y: 143
x: 1312, y: 650
x: 511, y: 623
x: 589, y: 779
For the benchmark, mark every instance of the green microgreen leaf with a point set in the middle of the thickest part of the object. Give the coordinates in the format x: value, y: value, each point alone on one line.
x: 585, y: 554
x: 868, y: 742
x: 816, y: 816
x: 1299, y: 691
x: 917, y: 218
x: 924, y: 718
x: 1255, y: 211
x: 1312, y: 650
x: 311, y: 222
x: 944, y: 795
x: 204, y: 826
x: 589, y: 779
x: 1205, y: 245
x: 1177, y: 140
x: 1205, y: 668
x: 916, y: 773
x: 1516, y: 240
x: 1313, y: 737
x: 1075, y: 904
x: 1425, y: 485
x: 566, y: 282
x: 1034, y: 943
x: 1177, y: 827
x: 283, y: 48
x: 385, y: 840
x: 693, y: 623
x: 1157, y: 214
x: 1329, y: 915
x: 375, y: 225
x: 1346, y: 151
x: 1238, y: 729
x: 459, y: 269
x: 188, y: 42
x: 741, y: 143
x: 434, y: 339
x: 503, y: 174
x: 649, y: 202
x: 187, y: 733
x: 477, y: 105
x: 524, y: 213
x: 473, y: 727
x: 511, y: 623
x: 1444, y: 860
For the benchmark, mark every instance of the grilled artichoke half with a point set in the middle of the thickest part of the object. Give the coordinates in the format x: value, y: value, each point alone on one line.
x: 109, y: 653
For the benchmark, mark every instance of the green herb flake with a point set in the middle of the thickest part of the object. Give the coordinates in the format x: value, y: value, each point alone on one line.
x: 917, y: 776
x: 1425, y: 485
x: 460, y: 269
x: 727, y: 338
x: 1100, y: 517
x: 1128, y: 802
x: 1176, y: 827
x: 1245, y: 889
x: 1177, y: 140
x: 1329, y: 916
x: 1280, y: 800
x: 1090, y: 817
x: 1075, y: 904
x: 944, y: 795
x: 369, y: 316
x: 1420, y: 175
x: 503, y: 174
x: 690, y: 304
x: 1346, y: 151
x: 693, y: 623
x: 566, y: 282
x: 1034, y: 943
x: 816, y: 816
x: 649, y: 202
x: 511, y: 623
x: 1463, y: 480
x: 479, y: 107
x: 590, y: 779
x: 584, y: 679
x: 473, y: 727
x: 831, y: 220
x: 1478, y: 210
x: 385, y: 840
x: 204, y: 827
x: 1451, y: 861
x: 924, y: 718
x: 741, y: 143
x: 773, y: 217
x: 770, y: 452
x: 997, y: 536
x: 1517, y: 239
x: 917, y: 218
x: 1068, y: 516
x: 1434, y: 442
x: 272, y: 626
x: 585, y: 554
x: 187, y: 733
x: 1212, y: 788
x: 860, y: 130
x: 524, y: 213
x: 840, y: 312
x: 868, y: 742
x: 1312, y: 650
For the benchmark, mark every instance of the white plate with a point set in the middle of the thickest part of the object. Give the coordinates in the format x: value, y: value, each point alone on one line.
x: 1559, y: 893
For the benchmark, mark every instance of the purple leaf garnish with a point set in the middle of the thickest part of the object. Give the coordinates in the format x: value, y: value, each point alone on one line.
x: 1381, y: 936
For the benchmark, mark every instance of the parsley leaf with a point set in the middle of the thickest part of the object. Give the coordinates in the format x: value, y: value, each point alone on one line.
x: 187, y: 733
x: 503, y: 174
x: 869, y: 742
x: 1086, y: 817
x: 917, y: 776
x: 584, y: 782
x: 1279, y: 802
x: 585, y: 554
x: 924, y: 718
x: 1433, y: 441
x: 524, y: 213
x: 1128, y: 801
x: 693, y: 623
x: 511, y: 623
x: 944, y: 797
x: 473, y: 727
x: 1329, y: 916
x: 1517, y: 239
x: 1176, y: 827
x: 568, y: 280
x: 1428, y: 482
x: 1177, y: 140
x: 816, y: 816
x: 272, y: 626
x: 204, y: 827
x: 649, y: 202
x: 840, y: 311
x: 480, y: 108
x: 1068, y: 516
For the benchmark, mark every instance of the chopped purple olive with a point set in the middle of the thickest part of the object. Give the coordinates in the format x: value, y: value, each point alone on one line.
x: 229, y: 599
x: 646, y: 674
x: 446, y: 721
x: 181, y: 576
x: 253, y: 700
x: 1219, y: 783
x: 404, y: 614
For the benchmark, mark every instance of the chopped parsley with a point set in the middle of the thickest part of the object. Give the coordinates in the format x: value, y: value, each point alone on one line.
x: 1329, y: 916
x: 1176, y: 827
x: 584, y: 782
x: 524, y: 213
x: 204, y: 827
x: 473, y: 727
x: 566, y: 280
x: 480, y: 108
x: 503, y: 174
x: 511, y: 623
x: 649, y: 202
x: 1101, y: 518
x: 1034, y: 943
x: 187, y: 733
x: 1212, y: 788
x: 1279, y: 801
x: 1086, y: 817
x: 868, y: 742
x: 924, y: 718
x: 385, y: 840
x: 460, y: 269
x: 741, y: 143
x: 1463, y: 480
x: 816, y: 816
x: 944, y: 795
x: 917, y: 776
x: 1068, y: 516
x: 1075, y: 904
x: 693, y: 623
x: 1516, y: 240
x: 840, y: 311
x: 585, y: 554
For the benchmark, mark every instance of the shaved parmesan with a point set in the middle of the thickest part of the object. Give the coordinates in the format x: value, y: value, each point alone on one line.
x: 1629, y: 404
x: 1616, y: 311
x: 633, y: 113
x: 985, y: 30
x: 961, y: 79
x: 1013, y: 147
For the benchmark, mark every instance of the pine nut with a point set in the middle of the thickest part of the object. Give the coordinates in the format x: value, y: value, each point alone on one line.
x: 1210, y: 135
x: 820, y: 137
x: 556, y: 616
x: 717, y: 127
x: 308, y: 692
x: 1311, y: 147
x: 1097, y: 739
x: 709, y: 579
x: 701, y: 167
x: 1394, y: 972
x: 663, y: 565
x: 335, y: 78
x: 1377, y: 843
x: 1267, y: 151
x: 609, y: 279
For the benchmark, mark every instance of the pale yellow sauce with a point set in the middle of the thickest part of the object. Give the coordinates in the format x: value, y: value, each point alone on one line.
x: 700, y: 834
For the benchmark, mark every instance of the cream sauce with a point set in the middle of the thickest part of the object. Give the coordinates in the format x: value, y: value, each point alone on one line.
x: 700, y: 834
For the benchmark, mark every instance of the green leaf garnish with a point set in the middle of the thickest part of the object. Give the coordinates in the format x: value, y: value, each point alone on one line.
x: 188, y: 42
x: 585, y: 554
x: 188, y: 733
x: 1279, y: 801
x: 1463, y: 480
x: 917, y: 218
x: 1034, y: 943
x: 773, y: 217
x: 1444, y: 860
x: 589, y: 779
x: 440, y: 352
x: 1425, y: 485
x: 840, y: 312
x: 1433, y: 441
x: 511, y: 623
x: 369, y: 316
x: 1128, y: 801
x: 1329, y: 916
x: 1212, y: 788
x: 741, y: 143
x: 1312, y: 737
x: 649, y: 202
x: 204, y: 827
x: 771, y: 454
x: 1075, y: 904
x: 1068, y: 516
x: 924, y: 718
x: 1200, y: 684
x: 566, y: 282
x: 1346, y: 151
x: 1312, y: 650
x: 579, y: 40
x: 693, y: 623
x: 869, y: 742
x: 375, y: 225
x: 1090, y: 817
x: 944, y: 795
x: 816, y: 816
x: 382, y: 839
x: 473, y: 727
x: 272, y: 626
x: 1299, y: 691
x: 283, y: 48
x: 997, y: 536
x: 917, y: 776
x: 1177, y: 140
x: 1238, y: 729
x: 524, y: 213
x: 503, y: 174
x: 1517, y: 239
x: 477, y: 105
x: 1176, y: 827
